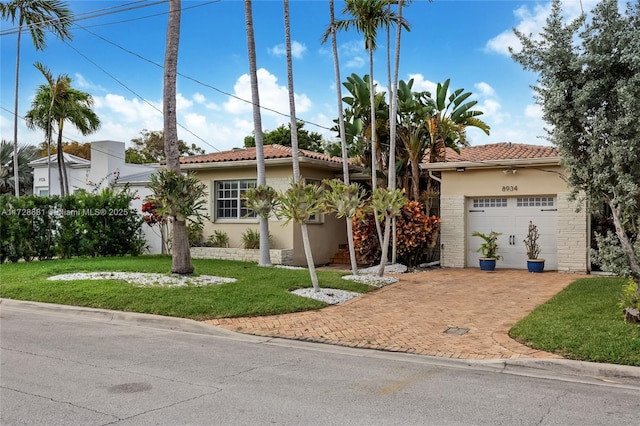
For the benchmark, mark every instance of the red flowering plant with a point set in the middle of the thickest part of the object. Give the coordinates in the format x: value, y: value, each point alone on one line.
x: 150, y: 213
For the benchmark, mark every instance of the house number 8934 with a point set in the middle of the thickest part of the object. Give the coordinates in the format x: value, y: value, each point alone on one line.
x: 509, y: 188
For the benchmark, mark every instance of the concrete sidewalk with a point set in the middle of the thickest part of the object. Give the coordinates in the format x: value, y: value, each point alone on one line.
x: 451, y: 313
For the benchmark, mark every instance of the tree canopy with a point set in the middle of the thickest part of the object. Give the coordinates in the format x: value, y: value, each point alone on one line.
x: 310, y: 141
x: 588, y: 88
x: 149, y: 148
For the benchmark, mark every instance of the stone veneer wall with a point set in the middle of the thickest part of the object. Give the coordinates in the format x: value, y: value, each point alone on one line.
x: 452, y: 231
x: 573, y: 246
x: 278, y: 256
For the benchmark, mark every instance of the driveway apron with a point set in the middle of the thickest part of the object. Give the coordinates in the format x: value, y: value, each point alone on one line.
x: 452, y: 313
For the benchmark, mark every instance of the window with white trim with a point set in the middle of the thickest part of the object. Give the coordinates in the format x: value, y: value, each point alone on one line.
x: 535, y: 202
x: 489, y: 202
x: 228, y: 201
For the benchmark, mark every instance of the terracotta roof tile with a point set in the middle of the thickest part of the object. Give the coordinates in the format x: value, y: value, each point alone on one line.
x: 247, y: 154
x: 500, y: 151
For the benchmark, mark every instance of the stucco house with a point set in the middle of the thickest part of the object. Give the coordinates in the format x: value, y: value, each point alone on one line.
x: 107, y: 167
x: 228, y: 174
x: 501, y: 187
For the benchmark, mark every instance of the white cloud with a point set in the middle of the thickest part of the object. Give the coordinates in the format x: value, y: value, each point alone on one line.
x: 82, y: 83
x: 272, y: 96
x: 297, y: 50
x: 199, y: 98
x: 531, y: 20
x: 533, y: 111
x: 353, y: 54
x: 421, y: 85
x: 485, y: 89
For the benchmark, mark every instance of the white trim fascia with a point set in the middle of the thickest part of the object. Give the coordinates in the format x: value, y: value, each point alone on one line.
x: 521, y: 162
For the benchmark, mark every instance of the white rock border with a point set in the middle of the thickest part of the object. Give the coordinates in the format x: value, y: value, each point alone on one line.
x: 141, y: 279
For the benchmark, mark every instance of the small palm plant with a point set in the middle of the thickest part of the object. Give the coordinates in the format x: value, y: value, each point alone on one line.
x: 489, y: 248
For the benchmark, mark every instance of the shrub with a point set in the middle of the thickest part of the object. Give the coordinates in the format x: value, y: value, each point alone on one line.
x: 417, y: 234
x: 80, y: 224
x: 195, y: 233
x: 220, y: 239
x: 251, y: 239
x: 365, y: 238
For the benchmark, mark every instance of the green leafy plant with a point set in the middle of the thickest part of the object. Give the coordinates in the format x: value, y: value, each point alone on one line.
x: 489, y: 249
x: 531, y: 242
x: 251, y: 239
x: 219, y: 239
x: 195, y: 233
x: 261, y: 200
x: 629, y: 300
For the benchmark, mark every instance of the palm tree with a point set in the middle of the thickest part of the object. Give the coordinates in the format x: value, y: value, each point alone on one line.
x: 343, y: 136
x: 264, y: 256
x: 39, y: 16
x: 294, y: 147
x: 57, y: 102
x: 180, y: 251
x: 26, y: 154
x: 367, y: 16
x: 57, y: 87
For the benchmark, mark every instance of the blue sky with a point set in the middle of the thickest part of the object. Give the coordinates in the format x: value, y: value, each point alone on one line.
x: 113, y: 51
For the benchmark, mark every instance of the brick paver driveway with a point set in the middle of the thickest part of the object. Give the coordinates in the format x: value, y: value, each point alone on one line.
x: 453, y: 313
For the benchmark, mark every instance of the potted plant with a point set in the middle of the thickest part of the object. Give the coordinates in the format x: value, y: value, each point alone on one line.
x: 533, y: 249
x: 489, y: 250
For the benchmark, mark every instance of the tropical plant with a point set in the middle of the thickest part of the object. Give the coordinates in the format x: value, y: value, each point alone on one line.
x: 366, y: 242
x: 26, y: 154
x: 591, y: 107
x: 366, y: 16
x: 180, y: 251
x: 264, y: 256
x: 176, y: 198
x: 342, y: 132
x: 260, y: 200
x: 417, y: 233
x: 251, y: 239
x: 218, y: 239
x: 57, y: 102
x: 489, y: 248
x: 531, y: 241
x: 300, y: 203
x: 387, y: 203
x: 40, y: 16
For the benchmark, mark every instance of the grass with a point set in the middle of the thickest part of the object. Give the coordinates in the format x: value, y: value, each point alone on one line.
x: 583, y: 322
x: 258, y: 290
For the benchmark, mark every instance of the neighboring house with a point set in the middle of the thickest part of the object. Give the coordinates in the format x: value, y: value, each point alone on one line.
x: 229, y: 174
x: 106, y: 168
x: 501, y: 187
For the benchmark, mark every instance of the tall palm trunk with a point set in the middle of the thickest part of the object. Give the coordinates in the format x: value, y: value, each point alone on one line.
x: 16, y: 175
x: 374, y: 141
x: 180, y: 253
x: 294, y: 146
x: 264, y: 256
x: 343, y: 136
x: 393, y: 118
x: 62, y: 169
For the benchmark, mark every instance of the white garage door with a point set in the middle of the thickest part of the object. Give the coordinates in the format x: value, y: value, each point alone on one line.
x: 510, y: 216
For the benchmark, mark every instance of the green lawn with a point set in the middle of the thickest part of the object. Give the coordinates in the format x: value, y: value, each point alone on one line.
x: 583, y: 322
x: 258, y: 291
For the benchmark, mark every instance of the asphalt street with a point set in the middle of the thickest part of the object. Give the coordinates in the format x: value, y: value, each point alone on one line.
x: 75, y: 366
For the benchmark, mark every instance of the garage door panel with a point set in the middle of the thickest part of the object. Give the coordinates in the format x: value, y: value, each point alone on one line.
x: 510, y: 216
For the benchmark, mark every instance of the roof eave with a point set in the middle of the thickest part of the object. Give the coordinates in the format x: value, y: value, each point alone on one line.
x: 520, y: 162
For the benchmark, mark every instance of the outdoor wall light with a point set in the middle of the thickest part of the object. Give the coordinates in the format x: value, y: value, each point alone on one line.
x: 460, y: 169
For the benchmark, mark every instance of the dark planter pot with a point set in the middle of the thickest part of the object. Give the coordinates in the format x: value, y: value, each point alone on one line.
x: 487, y: 264
x: 535, y: 265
